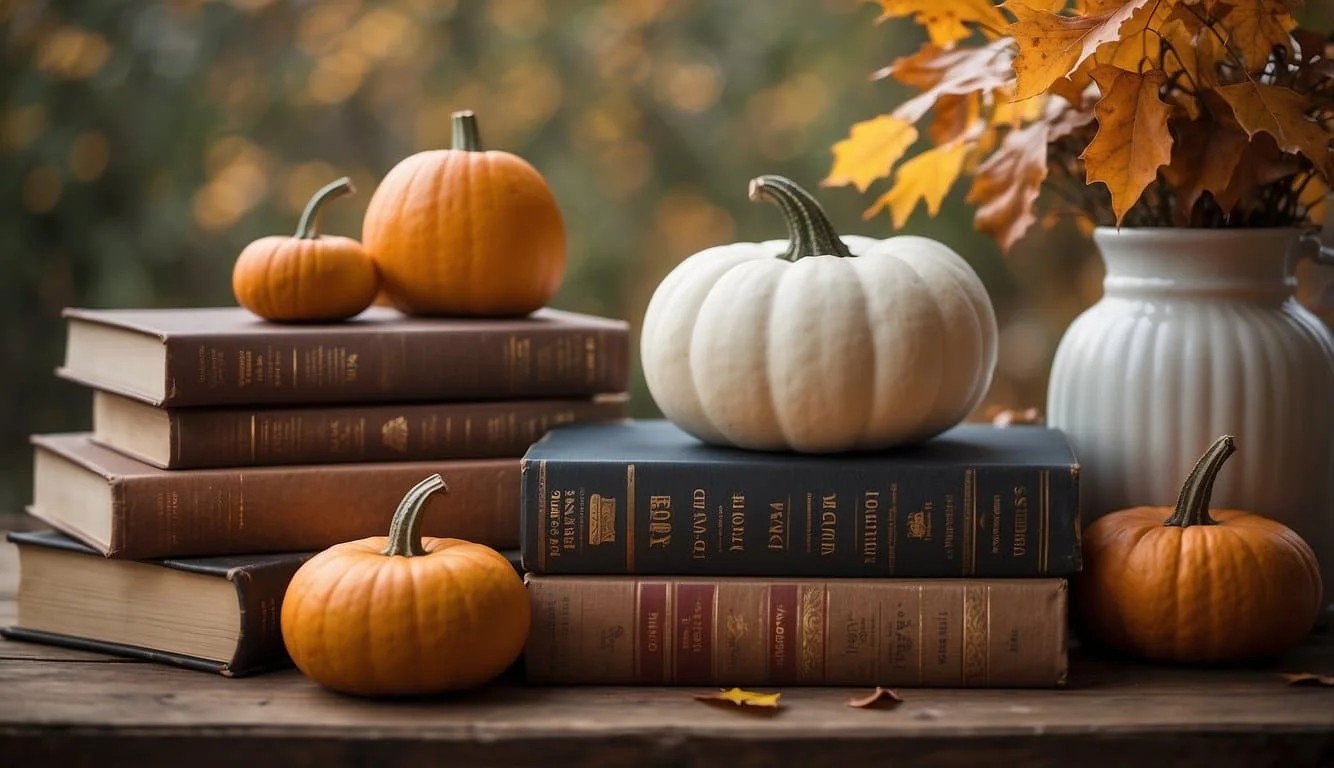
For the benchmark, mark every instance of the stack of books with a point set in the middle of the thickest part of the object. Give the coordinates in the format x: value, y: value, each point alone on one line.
x: 225, y: 449
x: 656, y: 559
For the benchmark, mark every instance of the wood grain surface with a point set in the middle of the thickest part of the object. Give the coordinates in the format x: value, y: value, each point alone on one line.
x: 70, y: 708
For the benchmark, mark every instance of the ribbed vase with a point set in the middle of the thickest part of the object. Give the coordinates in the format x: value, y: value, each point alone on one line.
x: 1198, y: 335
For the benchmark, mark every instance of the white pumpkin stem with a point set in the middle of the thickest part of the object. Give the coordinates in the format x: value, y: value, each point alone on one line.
x: 1192, y: 506
x: 405, y: 530
x: 308, y: 227
x: 467, y: 136
x: 809, y: 230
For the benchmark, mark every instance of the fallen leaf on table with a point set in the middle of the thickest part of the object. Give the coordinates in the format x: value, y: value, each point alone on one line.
x: 743, y: 698
x: 886, y: 696
x: 1306, y: 678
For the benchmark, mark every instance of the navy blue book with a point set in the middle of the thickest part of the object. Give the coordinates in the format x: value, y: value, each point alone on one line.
x: 643, y: 497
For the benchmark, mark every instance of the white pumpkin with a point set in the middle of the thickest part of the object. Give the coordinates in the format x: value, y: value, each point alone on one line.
x: 818, y: 343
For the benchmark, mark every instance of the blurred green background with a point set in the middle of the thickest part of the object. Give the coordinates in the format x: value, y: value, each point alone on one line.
x: 143, y: 144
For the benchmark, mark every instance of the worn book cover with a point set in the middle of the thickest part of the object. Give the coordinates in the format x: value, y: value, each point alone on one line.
x: 619, y: 630
x: 127, y: 509
x: 225, y: 355
x: 644, y: 497
x: 218, y: 614
x: 242, y: 436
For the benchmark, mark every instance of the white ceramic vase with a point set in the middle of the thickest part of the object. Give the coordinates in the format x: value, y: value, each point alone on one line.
x: 1198, y: 335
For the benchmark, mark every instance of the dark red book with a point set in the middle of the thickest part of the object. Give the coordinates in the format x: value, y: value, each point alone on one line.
x: 225, y: 355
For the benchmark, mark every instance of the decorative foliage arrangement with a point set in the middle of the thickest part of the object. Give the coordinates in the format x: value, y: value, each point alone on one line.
x: 1200, y: 113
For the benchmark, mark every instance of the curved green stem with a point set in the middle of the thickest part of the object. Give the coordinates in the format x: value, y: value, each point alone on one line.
x: 308, y: 227
x: 809, y: 230
x: 467, y: 137
x: 405, y: 531
x: 1193, y: 504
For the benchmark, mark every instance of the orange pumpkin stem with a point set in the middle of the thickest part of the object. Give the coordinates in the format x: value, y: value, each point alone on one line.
x: 307, y: 228
x: 809, y: 231
x: 405, y: 530
x: 467, y: 137
x: 1193, y: 503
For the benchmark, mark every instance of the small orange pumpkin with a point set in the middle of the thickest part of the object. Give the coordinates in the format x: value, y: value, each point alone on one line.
x: 402, y: 615
x: 466, y: 232
x: 307, y: 277
x: 1198, y: 587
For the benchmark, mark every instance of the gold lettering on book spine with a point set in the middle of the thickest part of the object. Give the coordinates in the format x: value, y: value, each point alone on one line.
x: 630, y: 518
x: 976, y: 598
x: 813, y: 602
x: 601, y: 520
x: 541, y: 501
x: 970, y: 522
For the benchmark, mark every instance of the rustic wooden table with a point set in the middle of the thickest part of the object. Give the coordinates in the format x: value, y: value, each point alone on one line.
x: 66, y: 708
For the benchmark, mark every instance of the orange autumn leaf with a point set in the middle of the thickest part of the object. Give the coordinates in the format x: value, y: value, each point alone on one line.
x: 945, y: 23
x: 881, y: 695
x: 1139, y: 38
x: 1307, y: 678
x: 1313, y: 198
x: 1261, y: 163
x: 1279, y: 112
x: 1133, y: 140
x: 1006, y: 186
x: 975, y: 70
x: 1255, y: 27
x: 1051, y: 46
x: 742, y: 698
x: 957, y: 115
x: 927, y: 177
x: 870, y: 151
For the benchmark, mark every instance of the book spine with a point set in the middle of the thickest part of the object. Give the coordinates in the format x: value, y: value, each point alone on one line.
x: 799, y: 519
x: 203, y: 438
x: 218, y: 512
x: 290, y: 368
x: 259, y: 593
x: 696, y: 631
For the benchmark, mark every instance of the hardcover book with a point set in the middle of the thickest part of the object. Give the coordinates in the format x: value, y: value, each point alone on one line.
x: 643, y: 497
x: 239, y: 436
x: 227, y: 356
x: 219, y: 614
x: 127, y: 509
x: 748, y: 631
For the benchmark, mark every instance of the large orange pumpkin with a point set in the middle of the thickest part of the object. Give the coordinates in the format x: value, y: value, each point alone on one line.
x: 464, y: 231
x: 1198, y: 586
x: 402, y: 615
x: 307, y: 277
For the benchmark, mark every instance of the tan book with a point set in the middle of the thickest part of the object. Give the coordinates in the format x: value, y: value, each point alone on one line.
x: 217, y: 614
x: 227, y: 356
x: 241, y: 436
x: 625, y: 630
x: 127, y: 509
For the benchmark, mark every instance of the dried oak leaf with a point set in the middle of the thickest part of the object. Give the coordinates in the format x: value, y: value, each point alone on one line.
x: 1279, y: 112
x: 870, y: 151
x: 1052, y: 46
x: 1204, y: 159
x: 1308, y: 679
x: 1133, y: 140
x: 881, y: 696
x: 927, y: 177
x: 945, y: 22
x: 1255, y: 27
x: 742, y: 698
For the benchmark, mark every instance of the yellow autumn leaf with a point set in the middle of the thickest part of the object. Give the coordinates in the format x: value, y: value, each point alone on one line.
x: 742, y: 698
x: 870, y: 151
x: 1133, y: 140
x: 1255, y: 27
x: 1313, y: 198
x: 1139, y: 39
x: 1279, y: 112
x: 927, y: 177
x: 945, y: 22
x: 1052, y: 46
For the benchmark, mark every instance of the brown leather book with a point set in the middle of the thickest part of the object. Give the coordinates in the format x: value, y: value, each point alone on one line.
x: 241, y: 436
x: 227, y: 356
x: 127, y: 509
x: 622, y: 630
x: 71, y: 597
